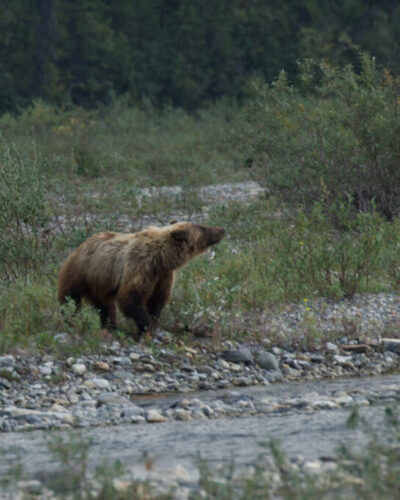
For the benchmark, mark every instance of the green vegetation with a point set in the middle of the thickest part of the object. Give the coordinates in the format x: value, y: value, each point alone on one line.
x: 318, y: 147
x: 332, y: 138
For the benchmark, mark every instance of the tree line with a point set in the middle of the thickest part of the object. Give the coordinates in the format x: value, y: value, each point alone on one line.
x: 178, y: 52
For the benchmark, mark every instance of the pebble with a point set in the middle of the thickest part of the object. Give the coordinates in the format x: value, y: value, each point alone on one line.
x: 154, y: 416
x: 78, y: 368
x: 101, y: 365
x: 97, y: 383
x: 331, y: 347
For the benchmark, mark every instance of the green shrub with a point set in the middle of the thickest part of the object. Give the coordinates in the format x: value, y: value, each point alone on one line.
x: 30, y: 316
x: 333, y: 137
x: 24, y: 211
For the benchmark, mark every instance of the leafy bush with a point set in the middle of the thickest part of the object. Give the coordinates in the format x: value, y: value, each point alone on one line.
x: 23, y: 214
x: 333, y: 137
x: 30, y: 317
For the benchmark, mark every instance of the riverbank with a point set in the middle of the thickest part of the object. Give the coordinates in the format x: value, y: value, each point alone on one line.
x: 107, y: 388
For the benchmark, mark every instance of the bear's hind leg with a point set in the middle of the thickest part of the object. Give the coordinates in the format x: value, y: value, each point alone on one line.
x: 75, y: 291
x: 107, y: 311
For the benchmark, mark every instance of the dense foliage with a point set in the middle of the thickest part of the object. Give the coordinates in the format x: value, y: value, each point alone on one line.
x: 331, y: 138
x: 182, y: 52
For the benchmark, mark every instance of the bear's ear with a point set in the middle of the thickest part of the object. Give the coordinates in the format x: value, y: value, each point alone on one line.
x: 173, y: 221
x: 180, y: 235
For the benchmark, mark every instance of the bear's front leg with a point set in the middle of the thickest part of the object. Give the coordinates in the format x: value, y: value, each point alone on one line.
x: 131, y: 305
x: 161, y: 296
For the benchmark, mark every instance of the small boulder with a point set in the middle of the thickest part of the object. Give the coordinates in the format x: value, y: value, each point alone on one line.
x: 242, y: 355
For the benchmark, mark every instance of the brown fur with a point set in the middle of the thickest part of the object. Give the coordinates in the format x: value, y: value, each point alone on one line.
x: 134, y: 270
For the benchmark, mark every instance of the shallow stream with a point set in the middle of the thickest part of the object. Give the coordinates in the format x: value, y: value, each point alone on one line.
x: 157, y: 449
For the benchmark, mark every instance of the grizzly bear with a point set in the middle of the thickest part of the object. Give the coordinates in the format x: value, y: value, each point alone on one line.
x: 134, y: 270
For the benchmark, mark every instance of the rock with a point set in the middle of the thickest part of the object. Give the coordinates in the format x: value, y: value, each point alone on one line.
x: 331, y: 347
x: 344, y: 400
x: 109, y: 398
x: 46, y: 369
x: 274, y: 375
x: 290, y: 372
x: 317, y: 358
x: 324, y: 404
x: 61, y: 338
x: 266, y: 360
x: 98, y: 383
x: 312, y: 467
x: 224, y: 364
x: 154, y: 416
x: 7, y: 360
x: 208, y: 411
x: 235, y: 367
x: 5, y: 383
x: 242, y: 355
x: 78, y: 368
x: 122, y: 360
x: 358, y: 348
x: 30, y: 486
x: 204, y: 369
x: 137, y: 419
x: 181, y: 414
x: 134, y: 356
x: 391, y: 345
x: 123, y: 375
x: 343, y: 360
x: 181, y: 473
x: 101, y: 365
x: 132, y: 411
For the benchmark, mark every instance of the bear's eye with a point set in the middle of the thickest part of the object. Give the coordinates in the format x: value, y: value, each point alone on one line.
x: 180, y: 235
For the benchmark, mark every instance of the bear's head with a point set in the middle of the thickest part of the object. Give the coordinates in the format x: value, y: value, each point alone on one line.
x: 195, y: 239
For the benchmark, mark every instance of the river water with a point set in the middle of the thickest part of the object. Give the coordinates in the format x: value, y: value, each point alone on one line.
x: 155, y: 450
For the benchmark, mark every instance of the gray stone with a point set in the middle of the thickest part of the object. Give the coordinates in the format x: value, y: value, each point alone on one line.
x: 266, y: 360
x: 342, y: 360
x: 273, y: 376
x: 123, y: 375
x: 61, y: 338
x: 291, y: 372
x: 331, y: 347
x: 132, y: 411
x: 7, y: 360
x: 391, y: 345
x: 122, y: 360
x: 242, y: 355
x: 78, y: 368
x: 109, y: 398
x: 182, y: 414
x: 98, y: 383
x: 325, y: 404
x: 344, y: 400
x: 30, y: 486
x: 317, y: 358
x: 154, y: 416
x: 46, y: 369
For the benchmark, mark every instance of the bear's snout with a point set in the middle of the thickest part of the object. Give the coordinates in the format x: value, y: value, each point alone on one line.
x: 217, y: 234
